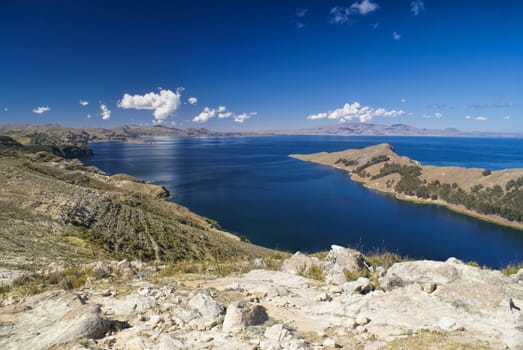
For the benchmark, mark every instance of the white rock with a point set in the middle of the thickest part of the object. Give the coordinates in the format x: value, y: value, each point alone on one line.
x: 203, y: 302
x: 362, y: 320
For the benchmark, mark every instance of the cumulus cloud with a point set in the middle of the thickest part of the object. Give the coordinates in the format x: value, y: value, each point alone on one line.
x: 364, y: 7
x: 356, y: 111
x: 222, y: 113
x: 417, y: 6
x: 89, y: 116
x: 105, y: 112
x: 242, y: 117
x: 5, y: 109
x: 340, y: 14
x: 164, y: 104
x: 192, y: 100
x: 480, y: 118
x: 403, y: 101
x: 84, y: 103
x: 396, y: 35
x: 205, y: 115
x: 41, y: 110
x: 507, y: 117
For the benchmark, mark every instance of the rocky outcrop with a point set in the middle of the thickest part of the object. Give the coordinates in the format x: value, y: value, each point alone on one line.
x: 412, y: 305
x: 50, y: 319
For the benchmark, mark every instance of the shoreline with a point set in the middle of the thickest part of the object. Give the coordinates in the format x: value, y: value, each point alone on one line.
x: 329, y: 159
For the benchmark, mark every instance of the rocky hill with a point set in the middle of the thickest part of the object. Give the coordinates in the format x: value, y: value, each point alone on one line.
x: 495, y: 196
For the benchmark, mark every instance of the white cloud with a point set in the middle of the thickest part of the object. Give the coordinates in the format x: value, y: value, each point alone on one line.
x: 364, y: 7
x: 417, y: 6
x: 89, y: 116
x: 204, y: 115
x: 339, y: 15
x: 375, y: 26
x: 105, y: 112
x: 242, y: 117
x: 302, y: 12
x: 5, y: 109
x: 222, y: 113
x: 40, y: 110
x: 480, y: 118
x: 436, y: 115
x: 507, y: 117
x: 403, y: 101
x: 356, y: 111
x: 396, y: 35
x: 192, y: 100
x: 84, y: 103
x: 164, y: 104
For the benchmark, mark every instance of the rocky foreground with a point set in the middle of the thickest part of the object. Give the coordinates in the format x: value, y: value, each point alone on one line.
x: 410, y: 305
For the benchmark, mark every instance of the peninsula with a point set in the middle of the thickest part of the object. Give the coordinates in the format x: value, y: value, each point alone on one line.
x: 495, y: 196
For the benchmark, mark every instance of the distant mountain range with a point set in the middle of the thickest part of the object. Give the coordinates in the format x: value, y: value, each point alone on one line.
x: 387, y: 130
x: 133, y: 132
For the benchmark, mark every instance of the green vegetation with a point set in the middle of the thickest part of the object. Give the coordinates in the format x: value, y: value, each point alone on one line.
x: 507, y: 203
x: 347, y: 162
x: 375, y: 160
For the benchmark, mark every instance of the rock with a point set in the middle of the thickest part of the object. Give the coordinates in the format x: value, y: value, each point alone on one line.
x: 276, y: 332
x: 55, y: 318
x: 518, y: 276
x: 362, y: 320
x: 203, y: 302
x: 323, y: 297
x: 329, y: 342
x: 255, y: 315
x: 361, y: 329
x: 362, y: 286
x: 240, y: 315
x: 299, y: 264
x: 100, y: 269
x: 233, y: 320
x: 421, y: 272
x: 350, y: 260
x: 430, y: 287
x: 340, y: 261
x: 153, y: 321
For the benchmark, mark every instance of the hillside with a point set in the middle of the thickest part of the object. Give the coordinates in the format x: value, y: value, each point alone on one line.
x: 495, y: 196
x: 57, y: 209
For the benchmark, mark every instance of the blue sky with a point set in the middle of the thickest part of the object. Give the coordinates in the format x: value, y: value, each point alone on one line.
x: 254, y: 65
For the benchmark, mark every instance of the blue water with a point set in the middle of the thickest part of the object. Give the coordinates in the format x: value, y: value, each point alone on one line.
x: 251, y: 186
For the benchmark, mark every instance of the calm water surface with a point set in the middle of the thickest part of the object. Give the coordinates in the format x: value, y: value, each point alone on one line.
x: 251, y: 186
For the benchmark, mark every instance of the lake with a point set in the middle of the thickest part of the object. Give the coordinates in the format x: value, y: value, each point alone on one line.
x: 251, y: 186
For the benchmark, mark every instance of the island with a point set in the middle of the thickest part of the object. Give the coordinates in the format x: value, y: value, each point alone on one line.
x: 495, y: 196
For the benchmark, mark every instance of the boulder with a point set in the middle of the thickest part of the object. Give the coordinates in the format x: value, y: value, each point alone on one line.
x: 362, y: 286
x: 54, y: 318
x: 342, y: 260
x: 204, y: 303
x: 299, y: 264
x: 240, y: 315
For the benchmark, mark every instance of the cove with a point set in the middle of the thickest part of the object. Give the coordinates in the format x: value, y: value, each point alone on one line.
x: 251, y: 186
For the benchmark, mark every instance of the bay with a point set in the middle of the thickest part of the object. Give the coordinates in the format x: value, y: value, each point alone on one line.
x: 251, y: 186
